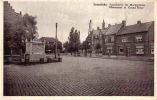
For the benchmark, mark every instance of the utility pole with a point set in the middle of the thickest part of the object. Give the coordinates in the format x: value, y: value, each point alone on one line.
x: 56, y: 43
x: 89, y: 38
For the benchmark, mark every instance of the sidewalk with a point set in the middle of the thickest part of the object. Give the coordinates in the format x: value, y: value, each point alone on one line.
x: 132, y: 58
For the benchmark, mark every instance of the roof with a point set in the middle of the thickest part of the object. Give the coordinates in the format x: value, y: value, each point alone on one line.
x: 48, y: 39
x: 143, y: 27
x: 96, y: 32
x: 113, y: 29
x: 104, y: 30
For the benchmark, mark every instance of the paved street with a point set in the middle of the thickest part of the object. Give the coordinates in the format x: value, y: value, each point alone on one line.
x: 80, y: 76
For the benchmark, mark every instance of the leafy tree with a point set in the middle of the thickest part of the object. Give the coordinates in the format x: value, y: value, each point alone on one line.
x: 66, y: 46
x: 30, y: 26
x: 85, y: 44
x: 59, y: 46
x: 15, y: 33
x: 71, y: 39
x: 74, y: 40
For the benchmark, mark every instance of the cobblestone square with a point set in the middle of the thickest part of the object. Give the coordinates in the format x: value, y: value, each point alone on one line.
x: 80, y: 76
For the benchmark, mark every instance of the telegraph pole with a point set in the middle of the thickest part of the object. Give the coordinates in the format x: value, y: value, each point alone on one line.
x: 89, y: 38
x: 56, y: 43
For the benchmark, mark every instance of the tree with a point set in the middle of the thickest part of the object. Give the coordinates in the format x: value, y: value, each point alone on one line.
x: 74, y: 40
x: 12, y: 36
x: 71, y: 39
x: 66, y: 46
x: 59, y: 46
x: 30, y: 26
x: 15, y: 33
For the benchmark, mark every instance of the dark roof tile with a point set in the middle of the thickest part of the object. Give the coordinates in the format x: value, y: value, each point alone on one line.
x: 104, y: 30
x: 113, y: 29
x: 143, y: 27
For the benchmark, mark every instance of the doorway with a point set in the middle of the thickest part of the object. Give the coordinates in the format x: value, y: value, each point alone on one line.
x: 127, y: 51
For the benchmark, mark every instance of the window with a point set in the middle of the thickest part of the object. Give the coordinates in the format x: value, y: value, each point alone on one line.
x: 124, y: 39
x: 152, y: 49
x: 121, y: 50
x: 109, y: 50
x: 139, y: 38
x: 112, y: 38
x: 140, y: 49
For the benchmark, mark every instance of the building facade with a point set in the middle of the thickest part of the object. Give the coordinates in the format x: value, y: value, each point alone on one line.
x: 10, y: 15
x: 136, y: 40
x: 50, y: 44
x: 95, y: 38
x: 109, y: 38
x: 122, y: 40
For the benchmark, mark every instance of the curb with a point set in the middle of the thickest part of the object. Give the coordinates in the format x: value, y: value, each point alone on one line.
x: 115, y: 58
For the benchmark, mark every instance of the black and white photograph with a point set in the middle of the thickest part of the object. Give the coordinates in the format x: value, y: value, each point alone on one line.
x: 78, y: 48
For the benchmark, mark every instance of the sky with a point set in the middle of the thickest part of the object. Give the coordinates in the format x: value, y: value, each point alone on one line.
x: 78, y: 14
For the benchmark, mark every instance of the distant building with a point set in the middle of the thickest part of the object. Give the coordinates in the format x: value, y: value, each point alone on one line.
x: 50, y: 44
x: 136, y: 40
x: 95, y: 37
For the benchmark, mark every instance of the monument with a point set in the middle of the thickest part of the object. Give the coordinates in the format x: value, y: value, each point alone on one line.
x: 35, y: 51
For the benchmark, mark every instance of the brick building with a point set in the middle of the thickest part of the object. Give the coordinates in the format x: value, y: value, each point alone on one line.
x: 50, y: 44
x: 10, y: 15
x: 136, y: 40
x: 109, y: 38
x: 122, y: 40
x: 95, y: 37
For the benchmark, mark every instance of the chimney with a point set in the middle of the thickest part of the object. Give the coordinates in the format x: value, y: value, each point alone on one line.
x: 138, y: 22
x: 124, y: 23
x: 109, y: 25
x: 97, y: 28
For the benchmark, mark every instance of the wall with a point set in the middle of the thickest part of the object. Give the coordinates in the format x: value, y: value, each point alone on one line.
x: 132, y: 42
x: 10, y: 15
x: 150, y: 39
x: 109, y: 44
